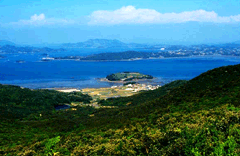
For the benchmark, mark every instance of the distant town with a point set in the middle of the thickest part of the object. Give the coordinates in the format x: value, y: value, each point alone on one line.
x: 164, y: 52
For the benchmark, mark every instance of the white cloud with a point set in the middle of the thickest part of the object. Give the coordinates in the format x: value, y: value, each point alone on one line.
x: 40, y: 20
x: 36, y: 17
x: 131, y: 15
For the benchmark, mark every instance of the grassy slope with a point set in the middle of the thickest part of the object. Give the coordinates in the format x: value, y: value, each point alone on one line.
x: 143, y: 96
x: 200, y: 117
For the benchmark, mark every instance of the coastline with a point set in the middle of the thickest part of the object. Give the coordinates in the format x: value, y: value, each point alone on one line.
x: 118, y: 84
x: 68, y: 90
x: 136, y: 80
x: 31, y: 81
x: 113, y: 91
x: 160, y: 58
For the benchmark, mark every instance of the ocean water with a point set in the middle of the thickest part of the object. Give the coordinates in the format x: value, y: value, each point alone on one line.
x: 76, y: 74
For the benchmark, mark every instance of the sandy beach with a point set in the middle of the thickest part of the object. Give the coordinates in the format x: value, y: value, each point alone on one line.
x: 68, y: 90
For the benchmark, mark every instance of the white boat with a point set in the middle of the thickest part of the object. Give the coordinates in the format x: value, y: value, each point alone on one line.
x: 47, y: 58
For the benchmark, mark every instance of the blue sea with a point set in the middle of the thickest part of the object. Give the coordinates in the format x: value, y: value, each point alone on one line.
x: 34, y: 73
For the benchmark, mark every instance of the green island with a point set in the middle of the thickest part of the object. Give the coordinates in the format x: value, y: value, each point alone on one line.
x: 127, y: 76
x: 196, y: 117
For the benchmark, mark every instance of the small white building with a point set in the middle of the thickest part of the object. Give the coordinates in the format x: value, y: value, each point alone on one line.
x: 129, y: 85
x: 129, y: 89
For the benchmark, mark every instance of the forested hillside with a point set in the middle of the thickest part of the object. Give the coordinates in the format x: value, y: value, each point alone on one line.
x: 197, y: 117
x: 17, y: 102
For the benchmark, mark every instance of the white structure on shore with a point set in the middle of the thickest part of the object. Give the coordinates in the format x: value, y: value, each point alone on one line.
x: 138, y: 87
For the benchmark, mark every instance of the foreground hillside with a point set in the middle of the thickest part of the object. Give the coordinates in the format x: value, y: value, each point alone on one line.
x: 198, y: 117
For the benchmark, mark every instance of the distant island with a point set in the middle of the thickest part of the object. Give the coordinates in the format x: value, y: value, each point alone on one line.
x: 15, y: 49
x: 126, y: 77
x: 127, y: 52
x: 121, y: 56
x: 170, y: 52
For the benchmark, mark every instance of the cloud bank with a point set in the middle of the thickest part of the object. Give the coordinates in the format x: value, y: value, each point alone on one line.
x: 40, y: 20
x: 131, y: 15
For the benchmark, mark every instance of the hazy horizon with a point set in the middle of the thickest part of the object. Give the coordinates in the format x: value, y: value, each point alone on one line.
x: 42, y: 44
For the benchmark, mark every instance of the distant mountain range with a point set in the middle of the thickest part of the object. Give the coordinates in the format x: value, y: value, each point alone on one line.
x: 104, y: 44
x: 92, y: 43
x: 5, y: 42
x: 108, y: 44
x: 96, y: 43
x: 16, y: 49
x: 237, y: 42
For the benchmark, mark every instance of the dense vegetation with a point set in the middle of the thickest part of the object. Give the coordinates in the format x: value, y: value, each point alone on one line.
x: 17, y: 102
x: 128, y: 83
x: 127, y: 55
x: 127, y: 76
x: 198, y: 117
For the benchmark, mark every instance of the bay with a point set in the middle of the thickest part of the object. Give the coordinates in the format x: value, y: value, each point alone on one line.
x: 76, y: 74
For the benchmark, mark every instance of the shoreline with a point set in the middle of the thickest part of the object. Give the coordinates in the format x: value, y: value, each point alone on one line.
x: 69, y: 83
x: 119, y: 84
x: 67, y: 90
x: 135, y: 80
x: 139, y: 59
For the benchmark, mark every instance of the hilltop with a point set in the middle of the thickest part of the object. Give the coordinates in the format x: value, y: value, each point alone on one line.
x: 96, y: 43
x: 103, y: 44
x: 196, y: 117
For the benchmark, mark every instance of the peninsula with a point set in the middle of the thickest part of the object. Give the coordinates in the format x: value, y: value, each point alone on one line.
x: 161, y: 52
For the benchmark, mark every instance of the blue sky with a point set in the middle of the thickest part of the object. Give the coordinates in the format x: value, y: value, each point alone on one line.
x: 140, y: 21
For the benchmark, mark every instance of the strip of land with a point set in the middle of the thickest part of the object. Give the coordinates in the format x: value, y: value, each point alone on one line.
x: 110, y: 92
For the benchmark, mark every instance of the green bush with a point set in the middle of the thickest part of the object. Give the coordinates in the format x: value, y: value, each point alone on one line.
x: 50, y: 146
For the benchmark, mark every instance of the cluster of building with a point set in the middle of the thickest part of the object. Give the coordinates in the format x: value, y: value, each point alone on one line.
x: 203, y: 50
x: 137, y: 87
